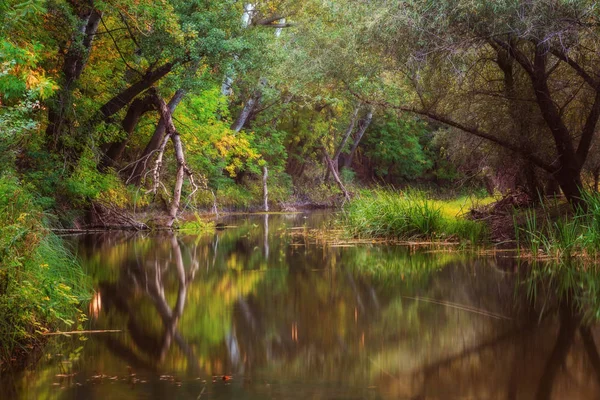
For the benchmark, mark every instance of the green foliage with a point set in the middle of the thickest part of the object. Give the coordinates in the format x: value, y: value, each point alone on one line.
x: 406, y: 215
x: 197, y: 225
x: 41, y: 284
x: 396, y: 147
x: 87, y: 183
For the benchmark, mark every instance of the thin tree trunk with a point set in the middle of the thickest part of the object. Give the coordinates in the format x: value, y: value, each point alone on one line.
x: 181, y: 167
x: 336, y: 177
x: 336, y: 156
x: 265, y: 189
x: 363, y: 125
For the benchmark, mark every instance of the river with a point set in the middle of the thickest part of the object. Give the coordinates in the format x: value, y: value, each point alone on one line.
x: 259, y: 311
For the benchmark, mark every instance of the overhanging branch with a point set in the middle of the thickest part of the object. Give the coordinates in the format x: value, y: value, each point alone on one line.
x: 467, y: 129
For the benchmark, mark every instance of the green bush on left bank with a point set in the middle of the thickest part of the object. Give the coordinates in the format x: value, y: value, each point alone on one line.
x: 41, y: 283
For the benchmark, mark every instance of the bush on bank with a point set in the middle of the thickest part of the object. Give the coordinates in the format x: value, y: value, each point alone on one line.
x: 41, y: 283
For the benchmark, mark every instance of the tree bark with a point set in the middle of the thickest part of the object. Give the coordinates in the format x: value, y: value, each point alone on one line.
x: 347, y: 134
x: 74, y: 62
x: 265, y: 188
x: 336, y: 177
x: 336, y: 155
x: 182, y: 169
x: 115, y: 151
x: 136, y: 171
x: 249, y: 107
x: 119, y: 101
x: 363, y: 125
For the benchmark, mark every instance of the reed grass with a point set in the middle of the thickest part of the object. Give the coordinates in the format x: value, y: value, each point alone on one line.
x: 410, y: 215
x: 561, y: 235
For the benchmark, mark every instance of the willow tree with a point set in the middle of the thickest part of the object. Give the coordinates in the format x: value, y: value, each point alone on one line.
x: 474, y: 65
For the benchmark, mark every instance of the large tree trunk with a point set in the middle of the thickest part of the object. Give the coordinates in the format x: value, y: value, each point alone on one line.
x: 136, y: 171
x: 569, y: 179
x: 115, y: 151
x: 75, y: 60
x: 115, y: 104
x: 568, y: 173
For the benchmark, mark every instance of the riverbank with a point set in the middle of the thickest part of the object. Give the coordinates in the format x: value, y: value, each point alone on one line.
x: 42, y: 286
x: 236, y: 294
x: 547, y: 229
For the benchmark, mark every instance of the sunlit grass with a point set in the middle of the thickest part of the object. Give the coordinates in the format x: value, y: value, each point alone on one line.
x: 411, y: 215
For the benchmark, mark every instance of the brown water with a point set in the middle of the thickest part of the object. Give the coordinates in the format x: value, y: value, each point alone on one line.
x: 257, y: 312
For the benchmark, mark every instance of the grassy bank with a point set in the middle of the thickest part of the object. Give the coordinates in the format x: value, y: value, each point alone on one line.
x: 552, y: 230
x: 41, y: 283
x: 411, y: 215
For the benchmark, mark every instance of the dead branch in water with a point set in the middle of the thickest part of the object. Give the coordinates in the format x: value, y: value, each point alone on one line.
x: 82, y: 332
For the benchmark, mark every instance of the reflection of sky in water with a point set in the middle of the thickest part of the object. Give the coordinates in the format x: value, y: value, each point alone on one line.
x: 257, y: 311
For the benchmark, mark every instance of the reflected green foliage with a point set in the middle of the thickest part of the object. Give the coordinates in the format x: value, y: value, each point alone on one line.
x: 549, y: 283
x: 279, y: 314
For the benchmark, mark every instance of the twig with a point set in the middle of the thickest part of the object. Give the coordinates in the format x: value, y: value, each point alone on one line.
x: 459, y: 307
x: 82, y: 332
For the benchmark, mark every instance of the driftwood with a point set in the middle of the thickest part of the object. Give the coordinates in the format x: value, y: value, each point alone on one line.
x: 107, y: 216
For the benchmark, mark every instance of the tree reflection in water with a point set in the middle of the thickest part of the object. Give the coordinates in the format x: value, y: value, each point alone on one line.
x: 279, y: 314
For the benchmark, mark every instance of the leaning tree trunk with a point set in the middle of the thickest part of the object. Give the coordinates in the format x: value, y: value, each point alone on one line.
x: 182, y: 168
x: 363, y: 125
x: 249, y: 107
x: 115, y: 151
x: 120, y: 100
x: 136, y: 171
x: 336, y: 156
x: 336, y: 177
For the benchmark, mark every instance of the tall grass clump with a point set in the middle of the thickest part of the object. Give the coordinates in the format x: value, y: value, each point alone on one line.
x: 407, y: 215
x: 41, y: 283
x: 565, y: 235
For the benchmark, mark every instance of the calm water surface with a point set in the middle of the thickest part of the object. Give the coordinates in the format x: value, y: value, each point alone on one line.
x: 257, y: 312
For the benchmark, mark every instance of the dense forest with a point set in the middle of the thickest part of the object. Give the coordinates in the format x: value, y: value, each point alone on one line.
x: 143, y: 114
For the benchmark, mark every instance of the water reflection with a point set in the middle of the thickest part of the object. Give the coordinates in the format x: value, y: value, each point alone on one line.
x: 290, y: 320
